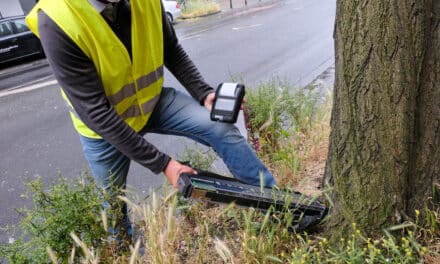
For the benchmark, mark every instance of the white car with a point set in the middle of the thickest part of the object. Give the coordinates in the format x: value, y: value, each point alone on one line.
x: 172, y: 9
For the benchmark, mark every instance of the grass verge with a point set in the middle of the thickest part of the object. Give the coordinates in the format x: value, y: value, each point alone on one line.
x: 199, y: 8
x: 288, y: 129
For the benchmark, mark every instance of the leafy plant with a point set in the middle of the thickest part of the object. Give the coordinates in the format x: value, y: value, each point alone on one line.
x: 190, y: 231
x: 279, y: 120
x: 198, y: 157
x: 275, y: 111
x: 66, y: 207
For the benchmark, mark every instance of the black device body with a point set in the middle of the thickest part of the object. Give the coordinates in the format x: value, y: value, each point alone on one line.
x: 216, y: 188
x: 227, y: 103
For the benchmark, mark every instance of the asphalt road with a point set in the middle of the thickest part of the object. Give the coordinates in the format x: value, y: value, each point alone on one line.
x: 290, y: 39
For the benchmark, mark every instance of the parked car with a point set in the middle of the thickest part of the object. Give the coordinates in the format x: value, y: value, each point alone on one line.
x: 172, y: 9
x: 17, y: 41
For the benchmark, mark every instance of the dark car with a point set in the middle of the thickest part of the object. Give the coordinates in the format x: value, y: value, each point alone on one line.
x: 16, y: 40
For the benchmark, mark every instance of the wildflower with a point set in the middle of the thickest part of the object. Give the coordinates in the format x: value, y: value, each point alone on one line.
x: 417, y: 213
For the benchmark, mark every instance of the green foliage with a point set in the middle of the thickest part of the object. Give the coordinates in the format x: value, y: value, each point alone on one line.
x: 264, y: 235
x: 276, y: 111
x: 190, y: 231
x: 280, y: 119
x: 197, y: 8
x: 264, y: 241
x: 67, y: 207
x: 249, y: 236
x: 203, y: 233
x: 198, y: 157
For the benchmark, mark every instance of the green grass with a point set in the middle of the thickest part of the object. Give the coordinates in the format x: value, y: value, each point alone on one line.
x: 199, y: 157
x: 288, y: 125
x: 68, y: 206
x: 284, y: 123
x: 198, y: 8
x: 176, y: 231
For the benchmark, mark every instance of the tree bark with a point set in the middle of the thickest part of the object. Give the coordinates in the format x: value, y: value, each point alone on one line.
x: 384, y: 156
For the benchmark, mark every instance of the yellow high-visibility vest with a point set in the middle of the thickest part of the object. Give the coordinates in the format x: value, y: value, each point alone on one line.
x: 132, y: 86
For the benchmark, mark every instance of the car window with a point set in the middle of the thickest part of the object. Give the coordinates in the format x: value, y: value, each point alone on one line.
x: 5, y: 29
x: 20, y: 25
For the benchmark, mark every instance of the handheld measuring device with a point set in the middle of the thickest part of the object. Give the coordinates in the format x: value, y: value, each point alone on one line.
x: 227, y: 103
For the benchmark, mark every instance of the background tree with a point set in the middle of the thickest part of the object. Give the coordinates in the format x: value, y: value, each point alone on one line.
x: 384, y: 157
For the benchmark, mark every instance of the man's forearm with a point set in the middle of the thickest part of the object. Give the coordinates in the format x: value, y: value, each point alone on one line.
x: 181, y: 66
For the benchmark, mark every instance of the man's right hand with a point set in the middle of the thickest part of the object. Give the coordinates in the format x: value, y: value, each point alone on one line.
x: 174, y: 169
x: 209, y: 101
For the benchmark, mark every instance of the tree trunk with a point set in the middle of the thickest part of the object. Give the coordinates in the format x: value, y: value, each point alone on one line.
x: 384, y: 156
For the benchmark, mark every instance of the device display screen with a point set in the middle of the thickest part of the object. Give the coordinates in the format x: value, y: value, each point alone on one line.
x: 224, y: 104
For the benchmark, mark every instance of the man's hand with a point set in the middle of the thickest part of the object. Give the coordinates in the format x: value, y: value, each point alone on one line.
x: 174, y: 169
x: 209, y: 101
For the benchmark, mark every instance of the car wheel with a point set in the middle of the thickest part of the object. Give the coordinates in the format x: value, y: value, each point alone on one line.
x: 170, y: 17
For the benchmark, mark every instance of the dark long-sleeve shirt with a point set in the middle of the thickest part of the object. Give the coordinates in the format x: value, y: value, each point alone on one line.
x: 77, y: 76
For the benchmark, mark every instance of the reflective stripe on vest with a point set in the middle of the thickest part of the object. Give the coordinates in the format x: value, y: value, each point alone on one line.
x: 132, y: 86
x: 130, y: 90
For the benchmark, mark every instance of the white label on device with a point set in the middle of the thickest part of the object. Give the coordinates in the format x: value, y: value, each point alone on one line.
x: 228, y: 89
x: 224, y: 104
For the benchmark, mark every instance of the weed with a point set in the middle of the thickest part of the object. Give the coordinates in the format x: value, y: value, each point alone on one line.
x: 280, y: 119
x: 197, y: 8
x: 66, y: 207
x: 198, y: 157
x: 174, y: 230
x: 196, y: 232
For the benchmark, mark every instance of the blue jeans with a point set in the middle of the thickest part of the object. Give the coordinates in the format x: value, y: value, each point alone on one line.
x: 179, y: 114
